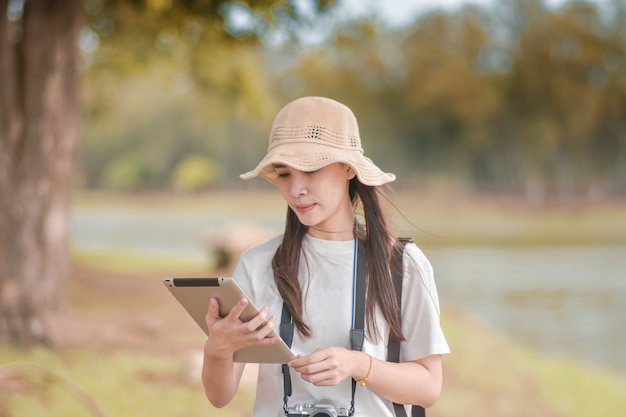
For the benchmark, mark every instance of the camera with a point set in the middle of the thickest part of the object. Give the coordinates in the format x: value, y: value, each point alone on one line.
x: 322, y: 409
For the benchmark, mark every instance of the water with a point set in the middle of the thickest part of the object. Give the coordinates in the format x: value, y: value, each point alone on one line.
x: 166, y: 233
x: 559, y: 300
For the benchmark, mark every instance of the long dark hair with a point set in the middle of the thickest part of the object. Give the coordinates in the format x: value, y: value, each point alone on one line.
x: 381, y: 249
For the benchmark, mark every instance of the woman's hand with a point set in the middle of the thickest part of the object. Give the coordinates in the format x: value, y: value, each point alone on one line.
x: 413, y: 382
x: 230, y: 333
x: 220, y: 375
x: 330, y: 365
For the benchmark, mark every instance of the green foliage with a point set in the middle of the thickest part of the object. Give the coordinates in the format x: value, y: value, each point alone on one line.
x: 181, y: 85
x: 160, y: 126
x: 127, y: 172
x: 513, y: 97
x: 195, y: 173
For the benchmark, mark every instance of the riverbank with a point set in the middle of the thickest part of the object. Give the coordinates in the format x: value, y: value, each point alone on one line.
x: 434, y: 219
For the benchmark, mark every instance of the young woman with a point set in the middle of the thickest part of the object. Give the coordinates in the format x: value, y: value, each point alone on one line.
x: 316, y: 160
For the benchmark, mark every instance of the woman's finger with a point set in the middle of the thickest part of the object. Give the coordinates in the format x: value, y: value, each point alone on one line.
x: 213, y: 312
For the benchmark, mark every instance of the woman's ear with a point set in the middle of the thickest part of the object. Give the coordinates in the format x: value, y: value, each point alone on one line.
x: 350, y: 171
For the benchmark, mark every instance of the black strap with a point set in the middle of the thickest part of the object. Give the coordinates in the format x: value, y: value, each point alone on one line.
x: 393, y: 344
x: 286, y: 333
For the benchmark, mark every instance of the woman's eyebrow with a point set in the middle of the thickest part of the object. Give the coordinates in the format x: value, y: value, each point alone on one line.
x: 279, y: 166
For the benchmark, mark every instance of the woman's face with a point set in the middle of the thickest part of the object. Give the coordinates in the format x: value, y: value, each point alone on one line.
x: 320, y: 199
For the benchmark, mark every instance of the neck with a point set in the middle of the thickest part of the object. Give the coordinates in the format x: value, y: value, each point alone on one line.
x: 331, y: 234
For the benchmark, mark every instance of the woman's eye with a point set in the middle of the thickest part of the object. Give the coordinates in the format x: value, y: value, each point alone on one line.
x: 282, y: 174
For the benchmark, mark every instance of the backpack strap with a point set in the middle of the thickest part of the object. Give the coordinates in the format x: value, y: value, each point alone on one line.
x: 393, y: 345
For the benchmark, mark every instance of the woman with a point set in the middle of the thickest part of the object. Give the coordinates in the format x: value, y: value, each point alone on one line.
x: 316, y: 160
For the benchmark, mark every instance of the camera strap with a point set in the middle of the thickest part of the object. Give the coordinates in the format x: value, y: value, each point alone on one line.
x: 357, y: 332
x: 286, y: 333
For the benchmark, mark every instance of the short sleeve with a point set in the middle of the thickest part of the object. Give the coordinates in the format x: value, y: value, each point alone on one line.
x: 421, y: 317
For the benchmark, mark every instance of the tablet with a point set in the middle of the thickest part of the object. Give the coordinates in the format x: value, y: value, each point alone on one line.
x: 194, y: 295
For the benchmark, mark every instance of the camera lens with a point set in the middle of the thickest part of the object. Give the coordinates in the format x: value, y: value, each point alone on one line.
x: 323, y: 414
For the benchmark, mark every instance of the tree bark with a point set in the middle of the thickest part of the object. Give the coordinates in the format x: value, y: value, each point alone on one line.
x: 39, y: 132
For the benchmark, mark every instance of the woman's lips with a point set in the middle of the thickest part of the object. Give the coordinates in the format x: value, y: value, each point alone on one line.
x: 304, y: 208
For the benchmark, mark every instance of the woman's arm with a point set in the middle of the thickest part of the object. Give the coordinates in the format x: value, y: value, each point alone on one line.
x: 220, y: 374
x: 418, y: 382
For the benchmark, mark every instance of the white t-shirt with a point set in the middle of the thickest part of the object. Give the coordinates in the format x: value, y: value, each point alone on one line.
x: 326, y: 274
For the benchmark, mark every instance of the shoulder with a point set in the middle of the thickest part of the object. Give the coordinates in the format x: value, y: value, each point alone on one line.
x: 254, y: 273
x: 257, y: 260
x: 414, y: 260
x: 412, y: 251
x: 262, y: 251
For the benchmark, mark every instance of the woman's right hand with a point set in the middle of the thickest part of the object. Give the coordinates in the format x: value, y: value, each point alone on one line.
x: 229, y: 334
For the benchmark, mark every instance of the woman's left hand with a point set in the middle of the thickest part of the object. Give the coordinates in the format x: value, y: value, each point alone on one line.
x: 328, y: 366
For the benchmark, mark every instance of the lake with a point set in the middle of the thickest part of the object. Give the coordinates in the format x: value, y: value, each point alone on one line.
x: 562, y: 300
x: 559, y: 300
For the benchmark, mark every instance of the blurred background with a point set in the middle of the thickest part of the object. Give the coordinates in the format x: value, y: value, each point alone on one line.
x: 504, y: 121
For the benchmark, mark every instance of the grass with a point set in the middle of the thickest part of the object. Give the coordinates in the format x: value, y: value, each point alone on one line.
x: 124, y: 262
x: 82, y: 383
x: 491, y: 375
x: 498, y: 221
x: 581, y: 391
x: 486, y: 374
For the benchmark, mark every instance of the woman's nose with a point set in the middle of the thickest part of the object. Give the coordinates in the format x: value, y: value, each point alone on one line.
x: 299, y: 185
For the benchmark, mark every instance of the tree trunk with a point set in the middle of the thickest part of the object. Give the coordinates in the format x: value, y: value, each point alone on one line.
x: 39, y: 131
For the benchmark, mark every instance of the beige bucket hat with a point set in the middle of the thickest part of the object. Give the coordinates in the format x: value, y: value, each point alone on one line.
x: 312, y: 132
